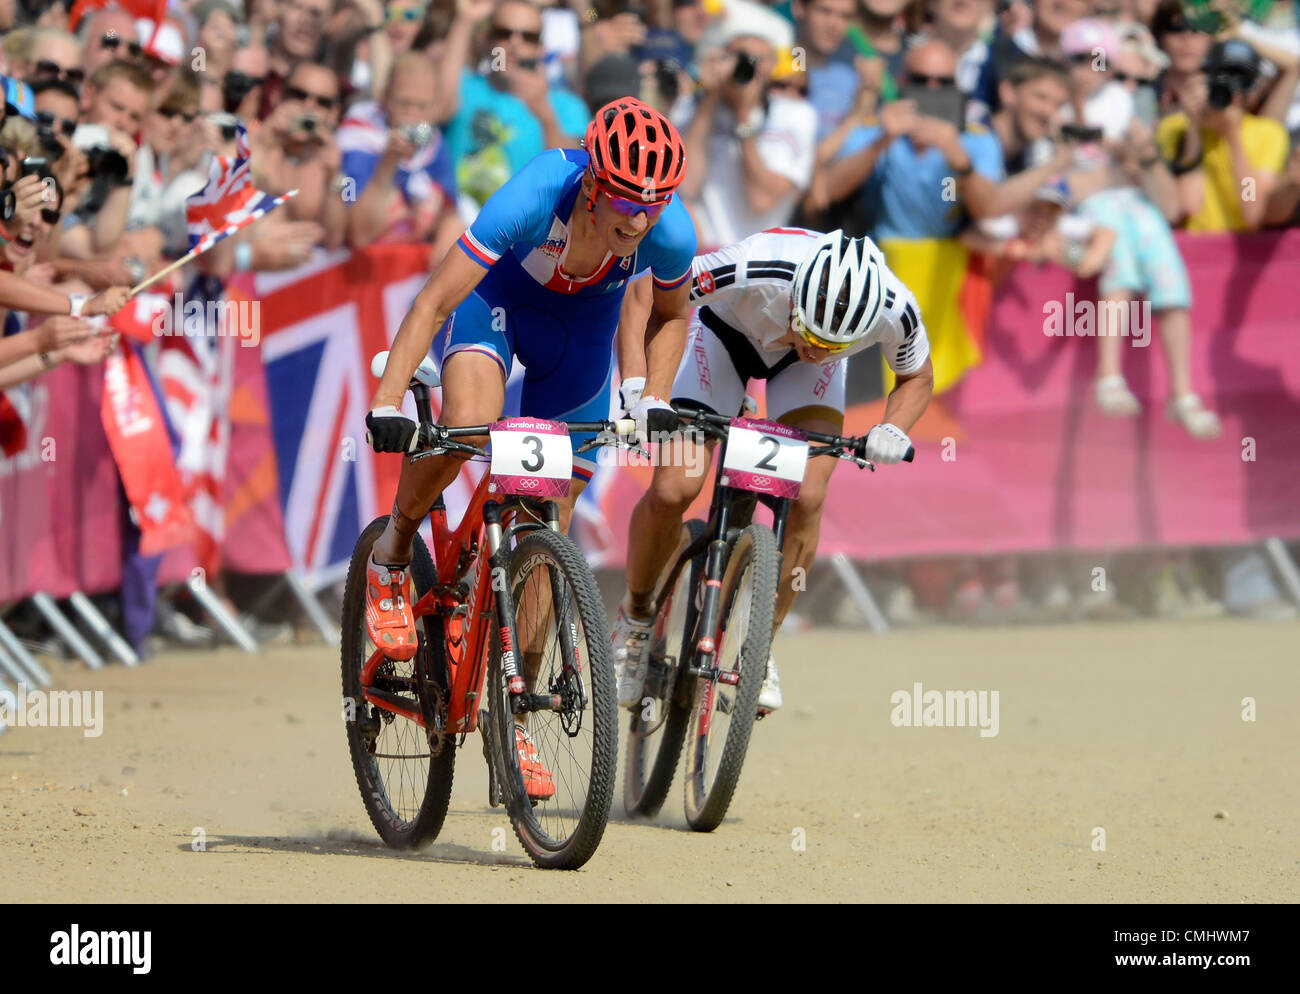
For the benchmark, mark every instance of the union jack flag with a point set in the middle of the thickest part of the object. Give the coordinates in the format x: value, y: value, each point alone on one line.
x: 230, y: 201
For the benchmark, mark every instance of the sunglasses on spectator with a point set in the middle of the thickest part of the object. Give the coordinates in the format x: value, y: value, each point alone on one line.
x: 399, y: 12
x: 111, y: 42
x: 922, y: 79
x: 172, y: 113
x: 631, y: 208
x: 1084, y: 59
x: 44, y: 117
x: 324, y: 103
x: 500, y: 33
x: 45, y: 69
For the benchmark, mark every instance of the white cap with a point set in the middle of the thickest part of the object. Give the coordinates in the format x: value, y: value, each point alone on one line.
x: 743, y: 19
x: 163, y: 41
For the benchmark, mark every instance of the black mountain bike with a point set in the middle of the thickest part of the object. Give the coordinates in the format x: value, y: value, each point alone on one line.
x: 714, y: 617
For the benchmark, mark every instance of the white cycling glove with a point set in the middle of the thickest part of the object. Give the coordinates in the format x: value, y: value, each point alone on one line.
x: 886, y: 444
x: 629, y: 392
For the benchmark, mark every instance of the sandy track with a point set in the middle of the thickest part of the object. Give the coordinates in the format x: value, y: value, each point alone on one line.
x: 1134, y: 728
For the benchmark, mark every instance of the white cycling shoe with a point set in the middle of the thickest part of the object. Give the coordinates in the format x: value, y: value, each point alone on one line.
x: 769, y: 695
x: 631, y: 638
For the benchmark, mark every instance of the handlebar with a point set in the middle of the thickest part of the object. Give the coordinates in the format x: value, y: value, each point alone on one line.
x: 841, y: 446
x: 436, y: 439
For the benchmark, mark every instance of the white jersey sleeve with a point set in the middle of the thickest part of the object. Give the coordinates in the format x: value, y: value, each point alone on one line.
x: 900, y: 332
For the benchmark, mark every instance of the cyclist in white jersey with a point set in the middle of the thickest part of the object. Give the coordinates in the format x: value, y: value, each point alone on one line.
x: 788, y: 306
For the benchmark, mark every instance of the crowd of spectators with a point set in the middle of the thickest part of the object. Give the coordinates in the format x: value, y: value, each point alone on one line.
x: 1073, y: 132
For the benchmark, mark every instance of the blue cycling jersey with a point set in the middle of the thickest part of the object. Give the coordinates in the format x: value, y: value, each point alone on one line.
x: 522, y: 233
x: 560, y: 327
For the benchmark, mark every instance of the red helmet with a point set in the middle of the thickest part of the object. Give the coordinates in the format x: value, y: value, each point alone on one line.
x: 635, y: 151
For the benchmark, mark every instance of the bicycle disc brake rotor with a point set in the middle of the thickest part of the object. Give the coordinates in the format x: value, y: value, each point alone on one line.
x: 437, y: 732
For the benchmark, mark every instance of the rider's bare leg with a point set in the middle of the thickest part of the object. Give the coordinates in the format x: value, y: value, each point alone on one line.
x: 656, y: 524
x: 473, y: 393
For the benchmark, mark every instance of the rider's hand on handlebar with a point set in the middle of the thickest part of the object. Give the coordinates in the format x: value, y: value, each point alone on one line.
x: 886, y: 444
x: 389, y: 430
x: 653, y: 416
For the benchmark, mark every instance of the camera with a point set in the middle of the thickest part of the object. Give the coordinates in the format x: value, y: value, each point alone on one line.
x: 419, y: 134
x: 666, y: 71
x: 105, y: 162
x: 746, y: 66
x: 49, y: 142
x: 235, y: 87
x: 1230, y: 67
x: 36, y: 167
x: 304, y: 124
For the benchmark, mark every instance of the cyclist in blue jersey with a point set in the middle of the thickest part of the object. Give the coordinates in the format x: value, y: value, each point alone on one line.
x: 539, y: 274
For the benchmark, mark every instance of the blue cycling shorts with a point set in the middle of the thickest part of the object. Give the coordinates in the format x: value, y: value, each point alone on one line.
x: 565, y: 344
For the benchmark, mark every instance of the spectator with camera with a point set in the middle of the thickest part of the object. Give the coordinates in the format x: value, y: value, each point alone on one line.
x: 117, y: 99
x: 1227, y: 160
x: 917, y: 171
x: 295, y: 149
x: 398, y: 165
x: 506, y: 110
x: 751, y: 150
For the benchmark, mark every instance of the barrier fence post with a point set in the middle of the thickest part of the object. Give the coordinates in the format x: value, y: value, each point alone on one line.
x: 10, y: 666
x: 4, y: 689
x: 67, y: 631
x: 23, y: 658
x: 116, y: 644
x: 307, y: 598
x: 858, y: 593
x: 211, y: 603
x: 1286, y: 566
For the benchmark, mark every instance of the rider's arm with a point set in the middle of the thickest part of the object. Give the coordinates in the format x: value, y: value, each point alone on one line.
x: 910, y: 397
x: 665, y: 339
x: 454, y: 280
x: 632, y: 320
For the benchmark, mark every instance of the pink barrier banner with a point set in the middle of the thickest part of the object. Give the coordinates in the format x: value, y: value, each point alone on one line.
x: 60, y: 504
x: 1018, y: 458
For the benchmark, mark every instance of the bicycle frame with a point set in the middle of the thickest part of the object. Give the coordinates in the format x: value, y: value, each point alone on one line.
x: 462, y: 606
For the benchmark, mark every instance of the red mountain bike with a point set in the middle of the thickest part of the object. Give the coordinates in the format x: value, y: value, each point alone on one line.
x: 714, y: 617
x: 505, y: 600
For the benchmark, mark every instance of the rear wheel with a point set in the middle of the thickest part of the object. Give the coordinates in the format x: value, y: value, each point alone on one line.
x: 723, y: 709
x: 405, y: 788
x: 562, y: 648
x: 658, y: 726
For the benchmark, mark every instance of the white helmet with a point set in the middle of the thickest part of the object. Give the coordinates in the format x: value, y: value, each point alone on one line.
x: 837, y: 291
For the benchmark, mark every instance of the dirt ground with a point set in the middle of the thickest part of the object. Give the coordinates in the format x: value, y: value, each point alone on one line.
x: 1135, y: 729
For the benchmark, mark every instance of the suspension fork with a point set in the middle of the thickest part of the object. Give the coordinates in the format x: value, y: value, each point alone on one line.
x: 498, y: 553
x: 706, y: 627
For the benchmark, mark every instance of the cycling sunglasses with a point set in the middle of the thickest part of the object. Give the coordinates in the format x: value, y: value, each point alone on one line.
x: 631, y: 208
x: 48, y: 69
x: 803, y: 331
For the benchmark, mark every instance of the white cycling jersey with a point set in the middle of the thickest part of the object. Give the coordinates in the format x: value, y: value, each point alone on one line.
x: 748, y: 286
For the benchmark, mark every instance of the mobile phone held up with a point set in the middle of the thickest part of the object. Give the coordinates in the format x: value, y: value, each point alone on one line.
x: 944, y: 102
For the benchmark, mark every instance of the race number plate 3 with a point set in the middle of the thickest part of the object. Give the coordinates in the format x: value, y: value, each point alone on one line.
x: 530, y: 457
x: 766, y: 457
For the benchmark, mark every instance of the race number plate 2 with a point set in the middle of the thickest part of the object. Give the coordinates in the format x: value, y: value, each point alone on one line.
x: 531, y: 457
x: 766, y: 457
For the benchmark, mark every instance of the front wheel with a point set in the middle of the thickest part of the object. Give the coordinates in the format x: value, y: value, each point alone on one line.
x: 723, y: 708
x: 561, y: 643
x: 658, y: 725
